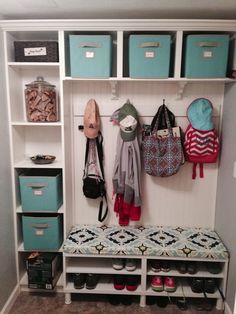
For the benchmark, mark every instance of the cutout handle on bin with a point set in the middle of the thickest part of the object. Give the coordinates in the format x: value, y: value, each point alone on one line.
x: 90, y: 45
x: 208, y: 44
x: 40, y: 226
x: 37, y: 185
x: 150, y: 44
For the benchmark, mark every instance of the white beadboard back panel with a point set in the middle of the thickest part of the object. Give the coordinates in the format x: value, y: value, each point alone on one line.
x: 173, y: 201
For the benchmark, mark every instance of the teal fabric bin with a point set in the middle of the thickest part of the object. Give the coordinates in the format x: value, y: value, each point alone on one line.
x: 149, y: 56
x: 41, y: 190
x: 206, y: 56
x: 90, y: 56
x: 42, y: 232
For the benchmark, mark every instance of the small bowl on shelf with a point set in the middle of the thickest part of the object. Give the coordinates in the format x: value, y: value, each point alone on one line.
x: 43, y: 159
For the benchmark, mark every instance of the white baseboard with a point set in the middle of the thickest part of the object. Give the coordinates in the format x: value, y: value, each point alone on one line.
x: 227, y: 309
x: 10, y: 300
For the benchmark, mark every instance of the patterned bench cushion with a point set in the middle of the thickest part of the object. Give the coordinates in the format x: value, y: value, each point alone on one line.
x: 148, y: 241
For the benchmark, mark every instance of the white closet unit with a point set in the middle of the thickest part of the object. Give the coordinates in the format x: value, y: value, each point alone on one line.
x: 174, y: 201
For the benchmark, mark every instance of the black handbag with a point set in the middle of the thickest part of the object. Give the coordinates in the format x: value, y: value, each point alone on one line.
x: 94, y: 185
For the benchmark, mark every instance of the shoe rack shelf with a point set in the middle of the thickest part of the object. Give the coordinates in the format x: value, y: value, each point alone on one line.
x: 103, y: 267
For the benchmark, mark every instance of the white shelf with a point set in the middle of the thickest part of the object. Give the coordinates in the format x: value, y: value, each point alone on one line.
x: 187, y: 292
x: 29, y: 164
x: 20, y: 211
x: 96, y: 266
x: 36, y: 124
x: 101, y: 288
x: 167, y: 80
x: 201, y: 273
x: 33, y: 64
x: 22, y: 249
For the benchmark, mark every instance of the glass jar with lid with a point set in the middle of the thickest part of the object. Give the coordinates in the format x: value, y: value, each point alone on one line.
x: 41, y: 101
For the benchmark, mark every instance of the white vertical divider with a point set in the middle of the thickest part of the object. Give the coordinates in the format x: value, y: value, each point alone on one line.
x: 178, y: 54
x: 120, y: 44
x: 143, y: 281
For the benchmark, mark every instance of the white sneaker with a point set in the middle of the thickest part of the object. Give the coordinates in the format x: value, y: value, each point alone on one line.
x: 130, y: 264
x: 118, y: 263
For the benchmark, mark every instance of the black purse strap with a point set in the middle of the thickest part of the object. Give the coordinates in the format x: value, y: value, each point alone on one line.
x: 99, y: 141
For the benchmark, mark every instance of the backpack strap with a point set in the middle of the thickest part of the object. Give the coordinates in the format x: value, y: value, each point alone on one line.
x: 201, y: 170
x: 194, y: 173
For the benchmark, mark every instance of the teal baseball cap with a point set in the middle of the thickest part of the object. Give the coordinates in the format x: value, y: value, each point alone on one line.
x: 199, y: 114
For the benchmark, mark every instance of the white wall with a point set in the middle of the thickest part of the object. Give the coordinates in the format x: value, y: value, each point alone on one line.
x: 166, y: 201
x: 226, y: 189
x: 7, y: 248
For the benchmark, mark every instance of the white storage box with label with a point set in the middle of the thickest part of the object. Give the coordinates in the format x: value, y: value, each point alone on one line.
x: 90, y: 56
x: 41, y: 190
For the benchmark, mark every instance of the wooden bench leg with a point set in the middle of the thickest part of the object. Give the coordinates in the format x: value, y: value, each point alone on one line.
x: 142, y: 300
x: 67, y: 298
x: 219, y: 304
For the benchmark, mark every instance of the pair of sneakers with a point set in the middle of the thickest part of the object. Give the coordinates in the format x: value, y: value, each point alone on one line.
x: 129, y: 281
x: 159, y: 284
x: 89, y: 281
x: 129, y: 264
x: 157, y: 266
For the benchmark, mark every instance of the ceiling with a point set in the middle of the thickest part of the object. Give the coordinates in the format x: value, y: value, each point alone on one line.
x: 117, y: 9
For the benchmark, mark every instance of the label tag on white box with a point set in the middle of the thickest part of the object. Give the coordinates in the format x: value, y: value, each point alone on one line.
x: 149, y: 54
x: 37, y: 51
x: 207, y: 54
x: 37, y: 192
x: 89, y: 54
x: 39, y: 232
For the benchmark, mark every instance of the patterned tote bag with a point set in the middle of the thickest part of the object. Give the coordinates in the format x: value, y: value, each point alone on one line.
x: 162, y: 155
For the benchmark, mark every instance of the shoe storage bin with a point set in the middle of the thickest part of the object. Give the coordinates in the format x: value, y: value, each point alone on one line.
x: 42, y: 232
x: 90, y: 56
x: 149, y: 56
x: 206, y: 56
x: 41, y: 190
x: 36, y: 51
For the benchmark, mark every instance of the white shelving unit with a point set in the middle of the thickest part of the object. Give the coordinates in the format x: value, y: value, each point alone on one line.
x: 63, y: 139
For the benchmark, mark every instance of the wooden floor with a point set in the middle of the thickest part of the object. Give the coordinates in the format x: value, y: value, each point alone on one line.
x: 40, y: 303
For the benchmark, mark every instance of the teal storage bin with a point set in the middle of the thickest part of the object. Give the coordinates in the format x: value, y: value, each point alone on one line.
x: 42, y: 232
x: 206, y: 56
x: 41, y: 190
x: 149, y: 56
x: 90, y: 56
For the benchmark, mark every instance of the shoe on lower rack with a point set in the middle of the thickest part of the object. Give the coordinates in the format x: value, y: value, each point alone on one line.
x: 155, y: 265
x: 119, y: 282
x: 118, y: 263
x: 192, y: 268
x: 130, y: 264
x: 157, y: 284
x: 209, y: 285
x: 132, y: 282
x: 165, y: 266
x: 91, y: 281
x: 79, y: 280
x: 126, y: 299
x: 169, y: 284
x: 197, y: 285
x: 181, y: 267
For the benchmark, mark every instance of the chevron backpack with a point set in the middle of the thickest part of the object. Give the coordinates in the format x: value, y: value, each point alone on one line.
x: 201, y: 140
